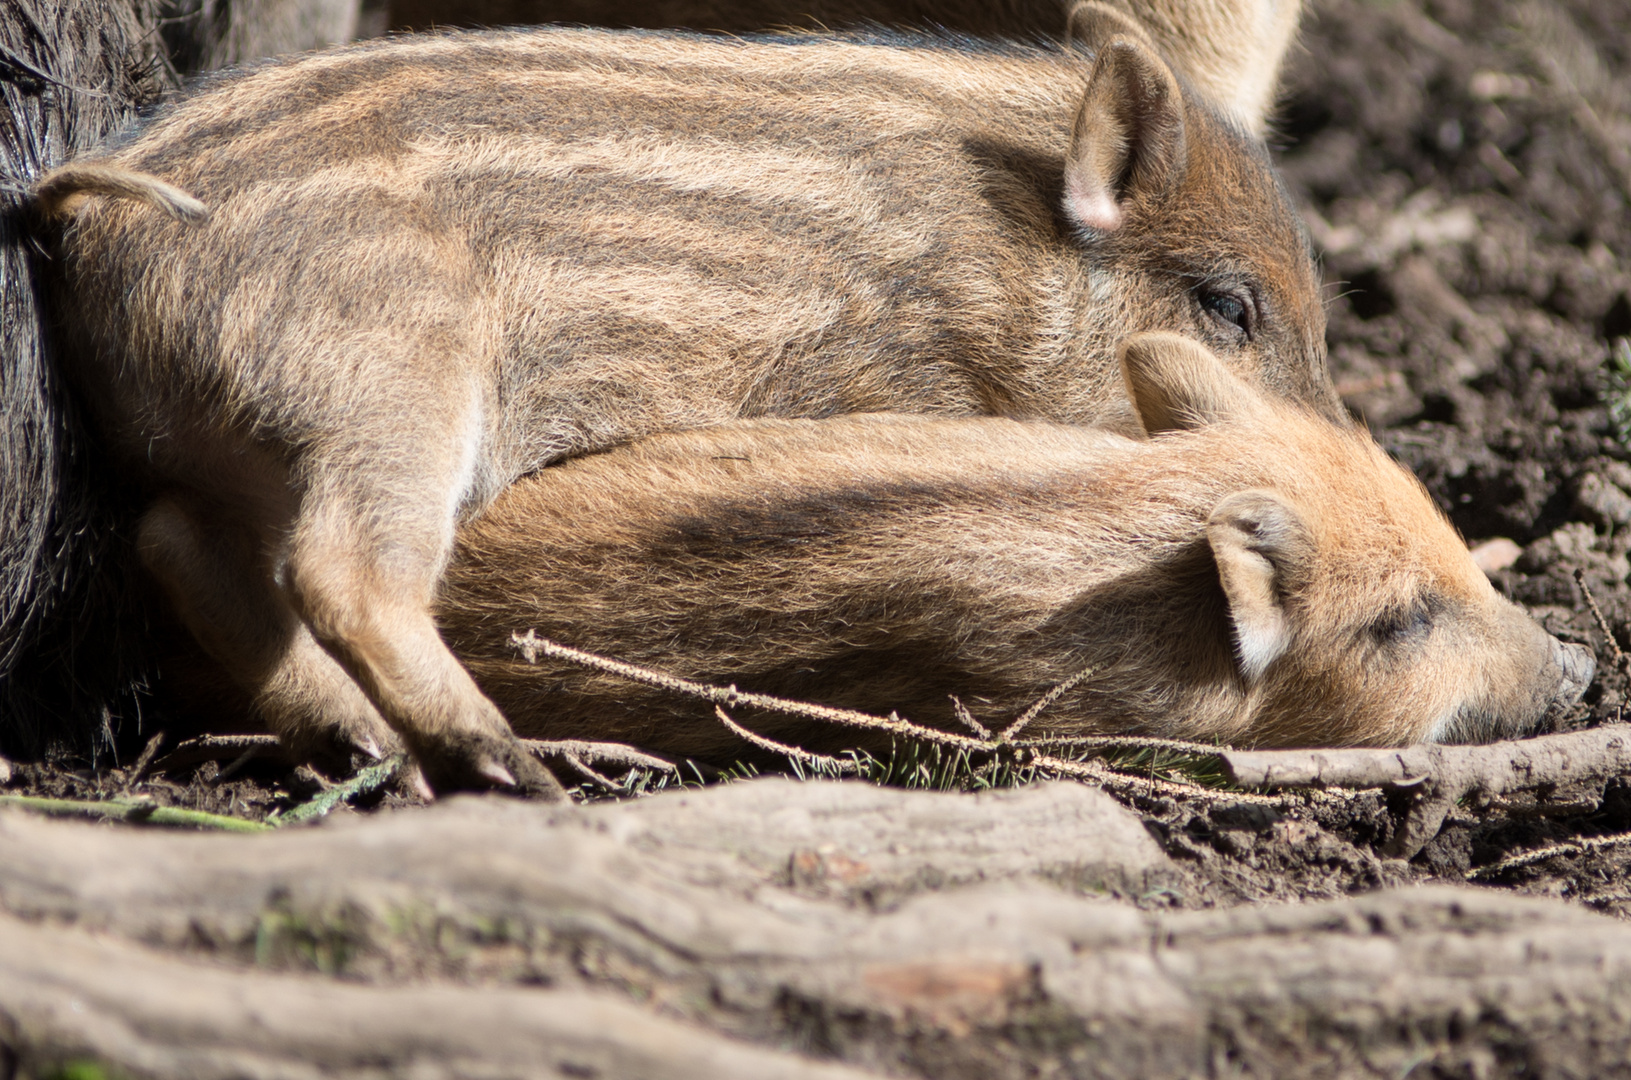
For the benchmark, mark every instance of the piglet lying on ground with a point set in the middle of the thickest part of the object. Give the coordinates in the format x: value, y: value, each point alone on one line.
x: 1249, y: 572
x: 322, y: 311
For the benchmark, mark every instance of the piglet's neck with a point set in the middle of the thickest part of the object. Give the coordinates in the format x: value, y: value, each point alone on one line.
x: 1154, y: 621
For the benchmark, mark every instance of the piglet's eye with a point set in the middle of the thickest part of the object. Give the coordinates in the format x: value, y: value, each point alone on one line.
x: 1227, y: 307
x: 1403, y: 624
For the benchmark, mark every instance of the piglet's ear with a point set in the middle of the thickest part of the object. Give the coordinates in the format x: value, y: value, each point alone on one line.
x: 1092, y: 23
x: 1262, y: 548
x: 1176, y: 383
x: 1128, y: 138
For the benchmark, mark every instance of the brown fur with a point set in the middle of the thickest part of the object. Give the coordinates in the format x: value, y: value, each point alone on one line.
x: 1229, y: 50
x: 884, y: 562
x: 432, y: 266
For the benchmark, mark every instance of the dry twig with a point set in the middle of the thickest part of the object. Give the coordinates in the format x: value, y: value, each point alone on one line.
x: 532, y: 646
x: 1012, y: 730
x: 143, y: 760
x: 803, y: 757
x: 1031, y: 753
x: 961, y: 712
x: 604, y: 782
x: 615, y: 753
x: 1622, y: 663
x: 217, y: 748
x: 1131, y: 742
x: 1552, y: 851
x: 578, y: 753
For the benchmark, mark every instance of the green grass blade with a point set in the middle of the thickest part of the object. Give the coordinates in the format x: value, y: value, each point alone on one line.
x: 135, y: 811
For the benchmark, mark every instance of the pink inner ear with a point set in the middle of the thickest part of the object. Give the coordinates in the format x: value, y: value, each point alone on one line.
x: 1093, y: 209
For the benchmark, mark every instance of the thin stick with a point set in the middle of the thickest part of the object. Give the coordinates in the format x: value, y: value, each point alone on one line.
x: 1597, y: 614
x: 616, y: 753
x: 369, y: 779
x: 143, y: 760
x: 961, y: 712
x: 1568, y: 847
x: 533, y: 646
x: 605, y: 782
x: 1602, y: 625
x: 214, y: 748
x: 1080, y: 770
x: 819, y: 760
x: 1587, y: 119
x: 1137, y: 742
x: 1115, y: 779
x: 231, y: 770
x: 1041, y: 703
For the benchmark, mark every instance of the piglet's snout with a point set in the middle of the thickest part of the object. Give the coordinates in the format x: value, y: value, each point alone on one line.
x: 1577, y: 665
x: 1525, y: 692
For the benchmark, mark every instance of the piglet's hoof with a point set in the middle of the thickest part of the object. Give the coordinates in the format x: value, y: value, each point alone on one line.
x: 341, y: 749
x: 487, y: 763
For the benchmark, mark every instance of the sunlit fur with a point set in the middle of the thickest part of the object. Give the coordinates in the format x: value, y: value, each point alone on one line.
x: 430, y: 266
x: 1230, y: 50
x: 884, y: 562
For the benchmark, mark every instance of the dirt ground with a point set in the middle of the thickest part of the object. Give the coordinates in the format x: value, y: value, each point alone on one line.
x: 1465, y: 167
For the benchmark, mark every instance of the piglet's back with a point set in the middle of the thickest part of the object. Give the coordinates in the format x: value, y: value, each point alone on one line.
x: 790, y: 226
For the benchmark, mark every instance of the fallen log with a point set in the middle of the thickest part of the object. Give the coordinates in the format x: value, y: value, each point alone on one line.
x: 70, y: 999
x: 904, y: 932
x: 628, y: 863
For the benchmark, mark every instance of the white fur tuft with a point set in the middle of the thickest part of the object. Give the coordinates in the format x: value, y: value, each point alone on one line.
x: 1096, y: 210
x: 1260, y: 645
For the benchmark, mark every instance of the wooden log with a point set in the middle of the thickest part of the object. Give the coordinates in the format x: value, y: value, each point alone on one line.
x: 1441, y: 776
x: 907, y: 933
x: 71, y: 999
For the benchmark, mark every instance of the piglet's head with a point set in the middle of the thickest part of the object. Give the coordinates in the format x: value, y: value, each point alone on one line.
x: 1355, y: 612
x: 1188, y: 229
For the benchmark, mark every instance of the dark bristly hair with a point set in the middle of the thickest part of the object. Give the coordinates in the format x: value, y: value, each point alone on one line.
x: 71, y: 72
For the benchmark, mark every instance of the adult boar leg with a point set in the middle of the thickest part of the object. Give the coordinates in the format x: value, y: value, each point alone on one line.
x: 218, y: 578
x: 371, y: 540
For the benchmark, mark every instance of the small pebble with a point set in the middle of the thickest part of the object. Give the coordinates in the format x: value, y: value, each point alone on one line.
x: 1495, y: 555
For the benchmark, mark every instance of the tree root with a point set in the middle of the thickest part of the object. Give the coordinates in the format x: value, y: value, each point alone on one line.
x: 1438, y: 777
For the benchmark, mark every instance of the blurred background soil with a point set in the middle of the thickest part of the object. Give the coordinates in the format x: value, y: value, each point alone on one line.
x: 1465, y: 169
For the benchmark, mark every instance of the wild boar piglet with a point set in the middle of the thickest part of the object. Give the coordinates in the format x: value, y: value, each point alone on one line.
x: 1248, y: 572
x: 324, y: 309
